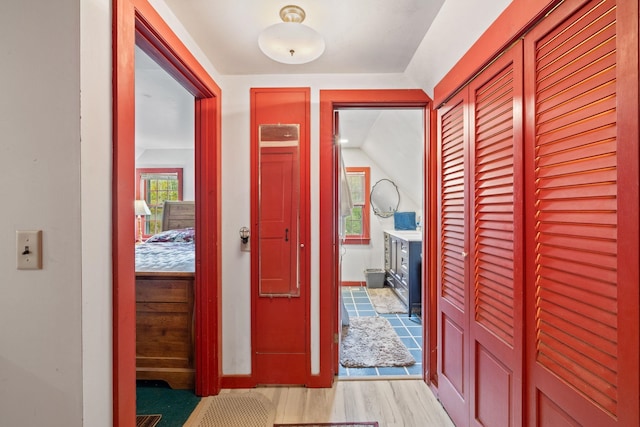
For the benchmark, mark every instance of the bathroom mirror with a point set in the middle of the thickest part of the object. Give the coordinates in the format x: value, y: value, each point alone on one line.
x: 384, y: 198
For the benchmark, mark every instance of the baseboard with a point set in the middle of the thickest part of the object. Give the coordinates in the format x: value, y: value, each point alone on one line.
x: 346, y: 283
x: 237, y: 381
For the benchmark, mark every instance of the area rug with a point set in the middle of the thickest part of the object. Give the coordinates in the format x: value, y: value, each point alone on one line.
x: 371, y: 341
x: 156, y: 397
x: 366, y: 424
x: 147, y: 420
x: 385, y: 301
x: 247, y: 409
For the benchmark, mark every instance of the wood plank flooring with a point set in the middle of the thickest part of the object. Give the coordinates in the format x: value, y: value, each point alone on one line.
x: 393, y: 403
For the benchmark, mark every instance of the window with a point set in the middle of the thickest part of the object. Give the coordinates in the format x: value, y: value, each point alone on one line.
x: 356, y: 225
x: 155, y: 185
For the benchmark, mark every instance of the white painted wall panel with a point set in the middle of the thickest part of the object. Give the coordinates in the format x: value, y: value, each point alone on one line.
x: 40, y: 310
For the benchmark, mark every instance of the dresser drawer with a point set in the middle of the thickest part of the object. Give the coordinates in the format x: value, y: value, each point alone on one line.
x: 162, y: 290
x: 165, y: 343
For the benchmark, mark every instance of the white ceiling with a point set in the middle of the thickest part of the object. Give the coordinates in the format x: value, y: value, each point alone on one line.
x: 361, y: 36
x: 164, y: 109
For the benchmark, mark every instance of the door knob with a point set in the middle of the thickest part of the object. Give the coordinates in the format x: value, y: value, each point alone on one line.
x: 286, y: 234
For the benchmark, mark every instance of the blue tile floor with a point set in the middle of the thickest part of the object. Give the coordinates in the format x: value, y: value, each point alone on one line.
x: 409, y: 329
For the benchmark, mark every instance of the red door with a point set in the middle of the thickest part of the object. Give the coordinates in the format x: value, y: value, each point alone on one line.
x: 481, y: 248
x: 539, y: 230
x: 453, y: 282
x: 496, y: 243
x: 582, y: 214
x: 280, y: 318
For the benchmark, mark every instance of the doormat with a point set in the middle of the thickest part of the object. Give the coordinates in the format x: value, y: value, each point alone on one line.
x: 241, y: 409
x: 147, y: 420
x: 365, y: 424
x: 371, y: 341
x: 385, y: 301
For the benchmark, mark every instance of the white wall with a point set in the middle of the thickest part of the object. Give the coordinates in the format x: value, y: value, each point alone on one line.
x: 396, y: 143
x: 55, y: 324
x: 41, y: 373
x: 456, y: 28
x: 95, y: 178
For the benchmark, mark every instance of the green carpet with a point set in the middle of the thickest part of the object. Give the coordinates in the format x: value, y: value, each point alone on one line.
x: 156, y: 397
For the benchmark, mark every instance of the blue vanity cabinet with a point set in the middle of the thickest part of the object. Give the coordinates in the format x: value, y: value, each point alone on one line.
x: 403, y: 264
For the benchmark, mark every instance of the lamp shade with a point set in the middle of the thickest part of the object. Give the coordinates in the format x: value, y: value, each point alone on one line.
x: 291, y: 42
x: 141, y: 208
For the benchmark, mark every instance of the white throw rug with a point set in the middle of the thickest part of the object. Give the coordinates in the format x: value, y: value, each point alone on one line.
x: 371, y: 341
x: 385, y: 300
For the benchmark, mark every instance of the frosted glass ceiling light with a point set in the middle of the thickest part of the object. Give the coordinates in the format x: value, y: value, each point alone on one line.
x: 291, y: 42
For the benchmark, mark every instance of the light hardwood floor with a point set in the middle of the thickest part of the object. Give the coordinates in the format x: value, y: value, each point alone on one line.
x: 395, y: 403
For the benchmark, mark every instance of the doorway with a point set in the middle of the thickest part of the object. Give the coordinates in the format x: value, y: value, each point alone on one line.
x: 164, y: 248
x: 137, y: 23
x: 330, y: 322
x: 381, y: 150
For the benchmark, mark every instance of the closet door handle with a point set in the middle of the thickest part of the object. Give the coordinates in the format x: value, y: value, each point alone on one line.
x: 286, y: 234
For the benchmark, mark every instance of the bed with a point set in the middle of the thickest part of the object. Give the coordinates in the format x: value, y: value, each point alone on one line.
x: 165, y: 273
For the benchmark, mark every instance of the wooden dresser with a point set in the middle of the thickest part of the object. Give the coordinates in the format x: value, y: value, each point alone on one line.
x: 165, y: 328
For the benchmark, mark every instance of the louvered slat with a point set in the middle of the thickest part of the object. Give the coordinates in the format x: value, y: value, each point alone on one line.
x: 452, y: 215
x: 493, y: 210
x: 576, y: 187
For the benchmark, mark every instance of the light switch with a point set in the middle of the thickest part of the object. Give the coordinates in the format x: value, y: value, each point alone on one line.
x: 29, y: 249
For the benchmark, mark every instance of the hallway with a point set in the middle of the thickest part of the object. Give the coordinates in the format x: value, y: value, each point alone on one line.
x: 401, y: 403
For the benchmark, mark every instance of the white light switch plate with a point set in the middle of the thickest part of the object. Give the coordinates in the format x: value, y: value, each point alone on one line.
x: 29, y: 249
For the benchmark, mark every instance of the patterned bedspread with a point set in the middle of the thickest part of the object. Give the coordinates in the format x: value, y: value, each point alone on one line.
x: 165, y: 256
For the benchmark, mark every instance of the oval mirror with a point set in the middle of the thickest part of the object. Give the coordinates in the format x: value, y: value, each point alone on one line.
x: 384, y: 198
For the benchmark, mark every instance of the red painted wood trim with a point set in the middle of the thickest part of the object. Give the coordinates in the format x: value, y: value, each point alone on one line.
x: 329, y: 247
x: 124, y: 338
x: 352, y: 283
x: 430, y: 251
x: 137, y: 22
x: 517, y: 18
x: 169, y: 49
x: 237, y: 381
x: 628, y: 110
x: 208, y: 310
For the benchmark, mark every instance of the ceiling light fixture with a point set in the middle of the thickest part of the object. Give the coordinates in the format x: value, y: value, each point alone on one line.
x: 291, y: 42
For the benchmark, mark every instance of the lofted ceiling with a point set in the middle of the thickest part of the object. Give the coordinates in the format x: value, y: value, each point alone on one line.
x: 361, y: 36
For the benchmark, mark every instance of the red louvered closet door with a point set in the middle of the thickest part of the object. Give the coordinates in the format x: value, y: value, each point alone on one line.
x: 582, y: 215
x: 453, y: 283
x: 481, y: 248
x: 496, y: 246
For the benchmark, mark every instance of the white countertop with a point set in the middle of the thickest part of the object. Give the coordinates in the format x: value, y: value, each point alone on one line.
x: 409, y: 235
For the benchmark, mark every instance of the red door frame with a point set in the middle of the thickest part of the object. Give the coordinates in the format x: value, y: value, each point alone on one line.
x: 135, y: 22
x: 329, y: 247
